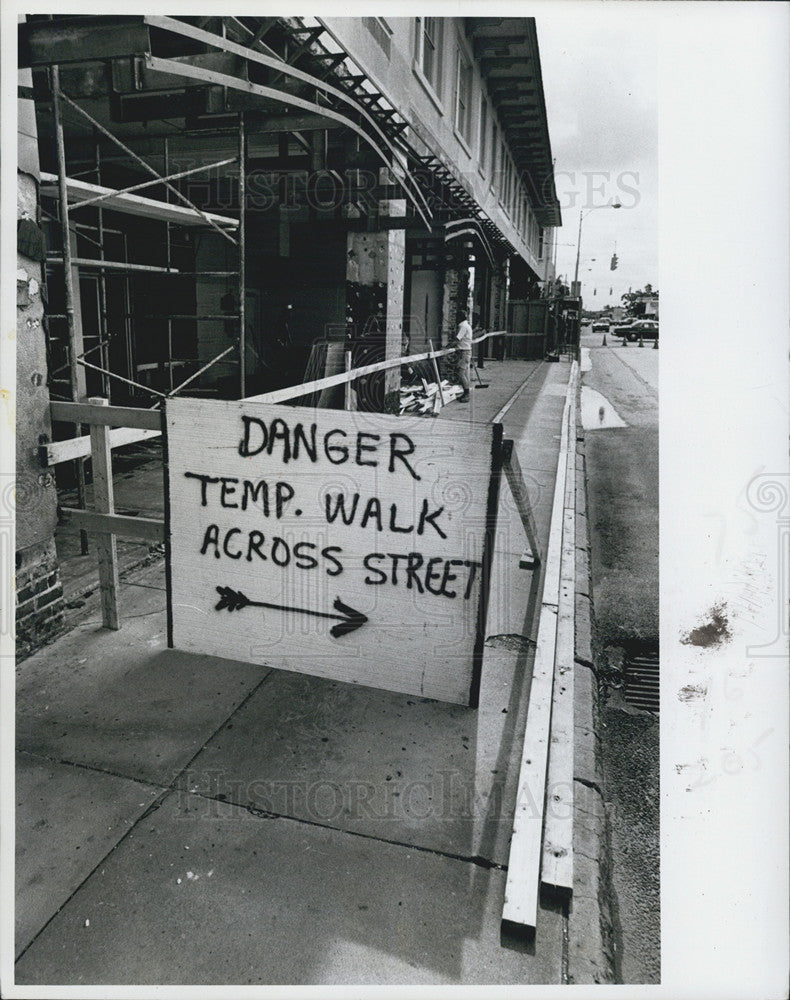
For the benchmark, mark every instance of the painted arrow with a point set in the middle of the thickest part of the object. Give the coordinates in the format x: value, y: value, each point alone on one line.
x: 350, y: 620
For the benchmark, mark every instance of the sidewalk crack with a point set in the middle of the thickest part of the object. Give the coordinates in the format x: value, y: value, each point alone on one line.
x: 590, y: 784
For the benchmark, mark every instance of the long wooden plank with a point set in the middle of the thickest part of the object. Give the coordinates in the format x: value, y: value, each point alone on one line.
x: 523, y: 876
x: 132, y: 204
x: 64, y: 451
x: 106, y: 416
x: 295, y: 391
x: 114, y: 265
x: 521, y: 888
x: 106, y: 550
x: 557, y: 863
x: 554, y: 548
x: 147, y: 529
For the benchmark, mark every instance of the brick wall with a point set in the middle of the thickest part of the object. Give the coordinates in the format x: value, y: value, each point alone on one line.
x: 39, y: 597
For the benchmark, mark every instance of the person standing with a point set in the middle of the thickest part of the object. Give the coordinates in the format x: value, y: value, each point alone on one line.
x: 463, y: 346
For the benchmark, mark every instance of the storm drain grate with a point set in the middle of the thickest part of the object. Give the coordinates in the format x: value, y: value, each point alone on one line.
x: 642, y: 689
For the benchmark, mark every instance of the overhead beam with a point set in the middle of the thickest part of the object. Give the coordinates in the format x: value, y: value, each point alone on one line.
x: 516, y: 116
x: 520, y: 84
x: 517, y: 104
x: 491, y: 48
x: 506, y: 67
x: 45, y: 43
x: 156, y: 105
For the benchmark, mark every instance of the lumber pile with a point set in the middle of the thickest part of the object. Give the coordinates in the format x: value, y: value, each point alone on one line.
x: 425, y: 398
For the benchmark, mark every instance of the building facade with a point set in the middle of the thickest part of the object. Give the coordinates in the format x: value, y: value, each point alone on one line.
x: 225, y: 205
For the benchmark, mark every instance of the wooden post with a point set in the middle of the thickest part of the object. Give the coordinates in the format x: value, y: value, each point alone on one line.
x: 436, y: 373
x: 70, y: 278
x: 515, y: 477
x: 101, y: 456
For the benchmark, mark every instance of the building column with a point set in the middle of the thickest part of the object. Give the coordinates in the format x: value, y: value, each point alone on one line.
x: 498, y: 306
x: 39, y: 594
x: 455, y: 297
x: 499, y: 285
x: 375, y: 273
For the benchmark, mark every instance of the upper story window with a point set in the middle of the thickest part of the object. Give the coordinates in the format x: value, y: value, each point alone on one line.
x: 541, y: 241
x: 534, y: 230
x: 494, y: 152
x: 463, y: 96
x: 428, y: 51
x: 515, y: 194
x: 482, y: 155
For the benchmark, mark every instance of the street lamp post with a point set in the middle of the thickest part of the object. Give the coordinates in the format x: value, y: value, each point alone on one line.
x: 582, y: 216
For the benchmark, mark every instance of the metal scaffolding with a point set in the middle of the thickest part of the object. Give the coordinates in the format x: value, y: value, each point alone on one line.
x: 125, y: 200
x: 73, y: 195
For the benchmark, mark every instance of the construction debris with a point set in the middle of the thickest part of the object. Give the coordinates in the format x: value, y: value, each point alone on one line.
x: 425, y: 397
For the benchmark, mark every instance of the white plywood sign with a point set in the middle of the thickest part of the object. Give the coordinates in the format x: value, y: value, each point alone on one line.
x: 354, y: 546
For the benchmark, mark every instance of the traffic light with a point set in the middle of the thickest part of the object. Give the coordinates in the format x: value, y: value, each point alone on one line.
x: 613, y: 265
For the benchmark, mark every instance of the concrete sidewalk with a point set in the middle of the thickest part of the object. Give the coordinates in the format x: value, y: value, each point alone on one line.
x: 184, y: 819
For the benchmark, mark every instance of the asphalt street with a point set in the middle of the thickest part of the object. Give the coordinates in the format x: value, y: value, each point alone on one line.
x: 623, y: 493
x: 620, y: 416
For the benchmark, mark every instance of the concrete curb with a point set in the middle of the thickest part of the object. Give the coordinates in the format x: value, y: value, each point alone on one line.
x: 590, y: 935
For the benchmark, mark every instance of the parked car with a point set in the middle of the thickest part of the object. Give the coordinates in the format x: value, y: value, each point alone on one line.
x: 633, y: 329
x: 600, y: 324
x: 647, y: 329
x: 621, y: 329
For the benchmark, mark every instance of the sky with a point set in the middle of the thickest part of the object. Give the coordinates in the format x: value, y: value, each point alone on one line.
x: 599, y: 67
